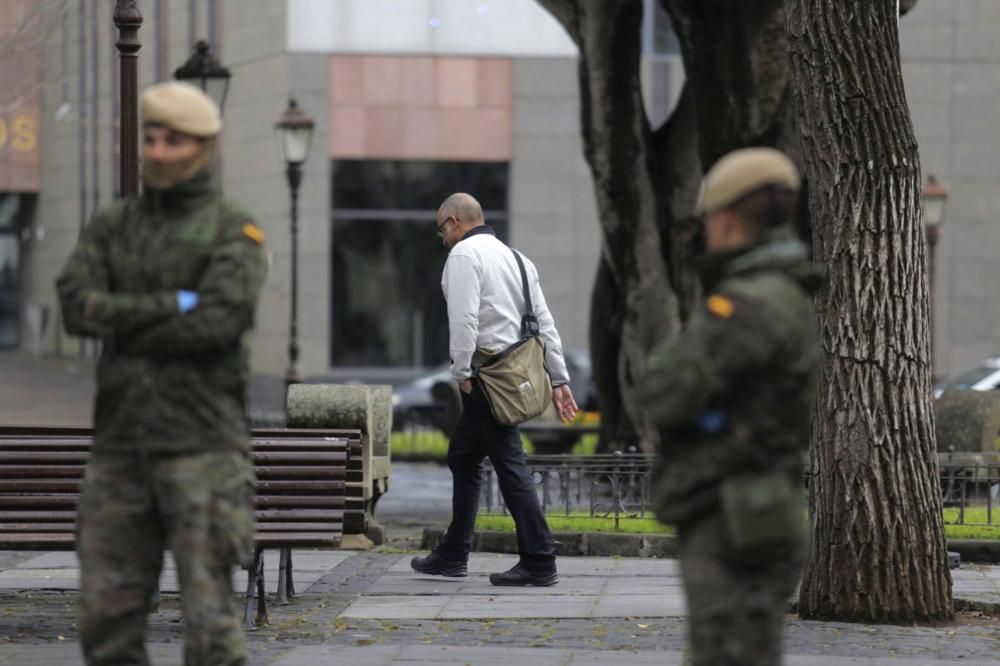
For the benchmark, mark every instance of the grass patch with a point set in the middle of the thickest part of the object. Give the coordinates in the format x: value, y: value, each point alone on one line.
x: 433, y: 445
x: 424, y: 444
x: 579, y: 523
x: 584, y: 523
x: 978, y: 516
x: 972, y: 531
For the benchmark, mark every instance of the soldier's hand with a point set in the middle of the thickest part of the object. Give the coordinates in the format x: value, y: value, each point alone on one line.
x: 562, y: 398
x: 186, y: 300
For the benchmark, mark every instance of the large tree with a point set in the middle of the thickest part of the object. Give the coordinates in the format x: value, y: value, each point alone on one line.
x: 646, y: 179
x: 879, y: 550
x: 878, y: 541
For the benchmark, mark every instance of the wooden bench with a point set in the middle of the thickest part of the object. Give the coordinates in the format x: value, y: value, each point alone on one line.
x: 309, y: 489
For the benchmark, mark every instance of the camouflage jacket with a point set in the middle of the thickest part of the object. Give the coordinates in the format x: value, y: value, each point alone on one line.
x: 168, y: 383
x: 732, y: 394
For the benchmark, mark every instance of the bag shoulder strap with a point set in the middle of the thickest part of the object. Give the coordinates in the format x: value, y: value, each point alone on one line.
x: 529, y: 323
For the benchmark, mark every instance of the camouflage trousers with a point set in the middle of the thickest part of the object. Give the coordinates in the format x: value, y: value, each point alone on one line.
x: 200, y: 507
x: 736, y: 610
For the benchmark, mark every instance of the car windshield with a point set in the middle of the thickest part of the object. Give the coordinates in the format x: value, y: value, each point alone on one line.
x: 970, y: 378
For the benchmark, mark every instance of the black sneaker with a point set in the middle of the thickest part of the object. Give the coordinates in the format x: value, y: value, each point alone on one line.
x: 518, y: 575
x: 438, y: 566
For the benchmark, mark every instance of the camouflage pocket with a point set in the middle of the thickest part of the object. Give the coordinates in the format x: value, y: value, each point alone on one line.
x: 232, y: 523
x: 763, y: 517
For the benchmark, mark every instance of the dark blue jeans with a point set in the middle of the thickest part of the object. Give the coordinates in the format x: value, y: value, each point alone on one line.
x: 476, y: 436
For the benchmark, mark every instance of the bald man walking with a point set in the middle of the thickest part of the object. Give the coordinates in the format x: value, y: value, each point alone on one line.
x: 483, y: 286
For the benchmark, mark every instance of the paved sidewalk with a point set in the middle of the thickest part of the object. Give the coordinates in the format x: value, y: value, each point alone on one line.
x: 371, y: 609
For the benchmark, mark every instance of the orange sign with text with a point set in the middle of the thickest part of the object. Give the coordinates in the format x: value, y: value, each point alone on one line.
x: 20, y: 31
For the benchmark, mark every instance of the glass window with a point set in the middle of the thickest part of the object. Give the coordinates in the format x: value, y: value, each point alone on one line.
x: 658, y: 36
x: 388, y: 309
x: 664, y: 38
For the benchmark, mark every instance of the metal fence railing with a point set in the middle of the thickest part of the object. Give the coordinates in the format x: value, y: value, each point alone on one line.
x: 970, y: 488
x: 611, y: 485
x: 619, y: 484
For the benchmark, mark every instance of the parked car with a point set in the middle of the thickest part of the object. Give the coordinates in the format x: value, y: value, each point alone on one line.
x: 430, y: 399
x: 985, y: 376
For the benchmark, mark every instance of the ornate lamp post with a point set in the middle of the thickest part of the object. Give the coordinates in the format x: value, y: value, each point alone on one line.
x: 295, y: 130
x: 127, y: 19
x: 206, y: 72
x: 933, y: 198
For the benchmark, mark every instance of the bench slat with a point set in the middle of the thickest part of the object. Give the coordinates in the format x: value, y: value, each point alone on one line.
x: 40, y: 486
x: 300, y: 527
x: 303, y: 495
x: 295, y: 487
x: 37, y: 527
x: 312, y: 501
x: 38, y: 541
x: 39, y: 502
x: 300, y: 471
x: 28, y: 472
x: 37, y: 516
x: 42, y: 457
x: 303, y: 458
x: 300, y: 539
x: 297, y: 514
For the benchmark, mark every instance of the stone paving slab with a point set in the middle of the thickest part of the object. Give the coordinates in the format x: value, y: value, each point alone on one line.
x: 60, y: 571
x: 414, y: 583
x: 581, y: 566
x: 588, y: 588
x: 68, y: 654
x: 413, y: 655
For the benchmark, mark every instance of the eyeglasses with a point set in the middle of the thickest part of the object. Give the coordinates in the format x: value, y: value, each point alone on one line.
x: 440, y: 227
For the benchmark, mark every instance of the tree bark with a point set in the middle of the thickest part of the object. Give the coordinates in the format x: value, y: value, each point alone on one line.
x: 635, y: 305
x: 878, y: 543
x: 646, y: 183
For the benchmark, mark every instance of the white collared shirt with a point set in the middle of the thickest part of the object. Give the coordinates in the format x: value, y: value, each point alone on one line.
x: 482, y: 285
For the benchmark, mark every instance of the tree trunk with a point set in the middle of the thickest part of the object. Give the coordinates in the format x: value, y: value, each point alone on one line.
x: 645, y: 182
x: 878, y: 543
x: 635, y: 305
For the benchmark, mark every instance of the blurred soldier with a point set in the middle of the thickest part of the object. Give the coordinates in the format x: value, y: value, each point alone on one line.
x: 483, y: 286
x: 731, y: 397
x: 169, y: 280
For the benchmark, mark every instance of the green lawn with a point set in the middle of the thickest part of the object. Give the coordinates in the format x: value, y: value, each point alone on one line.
x: 585, y: 523
x: 579, y: 523
x: 433, y: 445
x: 973, y: 531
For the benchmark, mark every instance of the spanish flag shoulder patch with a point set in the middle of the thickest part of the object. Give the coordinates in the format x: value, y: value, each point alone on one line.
x: 253, y: 233
x: 720, y: 306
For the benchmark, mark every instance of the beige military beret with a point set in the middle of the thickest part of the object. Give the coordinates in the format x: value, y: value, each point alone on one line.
x: 180, y: 106
x: 741, y: 172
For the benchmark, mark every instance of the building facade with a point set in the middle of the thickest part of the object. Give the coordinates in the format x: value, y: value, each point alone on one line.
x: 412, y: 101
x: 951, y: 67
x: 415, y: 99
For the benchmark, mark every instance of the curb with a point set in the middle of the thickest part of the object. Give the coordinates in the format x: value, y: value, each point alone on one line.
x: 981, y: 551
x: 606, y: 544
x: 603, y: 544
x: 571, y: 544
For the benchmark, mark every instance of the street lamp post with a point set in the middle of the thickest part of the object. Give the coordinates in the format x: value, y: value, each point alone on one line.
x: 295, y: 130
x: 204, y: 71
x: 127, y: 19
x: 933, y: 198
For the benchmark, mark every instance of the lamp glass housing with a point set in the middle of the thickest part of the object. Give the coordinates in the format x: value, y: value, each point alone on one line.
x: 295, y: 132
x: 204, y: 71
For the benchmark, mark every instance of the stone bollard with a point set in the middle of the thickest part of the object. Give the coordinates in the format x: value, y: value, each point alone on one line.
x: 367, y: 408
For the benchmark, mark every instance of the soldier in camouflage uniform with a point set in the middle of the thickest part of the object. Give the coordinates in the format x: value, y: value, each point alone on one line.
x: 169, y: 281
x: 731, y: 397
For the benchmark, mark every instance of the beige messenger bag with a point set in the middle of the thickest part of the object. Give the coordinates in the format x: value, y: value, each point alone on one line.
x: 516, y: 381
